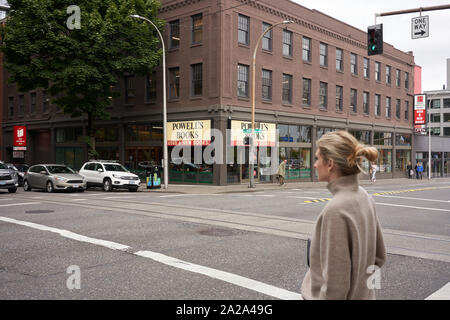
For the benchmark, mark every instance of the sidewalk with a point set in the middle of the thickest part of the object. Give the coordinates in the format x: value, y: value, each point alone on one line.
x: 259, y: 187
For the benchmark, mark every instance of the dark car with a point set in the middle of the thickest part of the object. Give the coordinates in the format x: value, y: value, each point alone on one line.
x: 20, y: 170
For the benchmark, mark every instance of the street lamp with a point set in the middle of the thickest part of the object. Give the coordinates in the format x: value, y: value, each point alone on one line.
x: 252, y: 142
x: 165, y: 156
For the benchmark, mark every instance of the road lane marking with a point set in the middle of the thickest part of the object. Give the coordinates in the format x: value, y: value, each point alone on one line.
x: 6, y: 199
x: 222, y: 275
x: 420, y: 208
x: 79, y: 199
x: 441, y: 294
x: 410, y: 198
x: 18, y: 204
x: 187, y: 195
x: 68, y: 234
x: 170, y: 261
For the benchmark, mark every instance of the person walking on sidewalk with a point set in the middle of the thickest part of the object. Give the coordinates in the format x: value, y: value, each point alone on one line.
x: 347, y: 243
x: 282, y: 172
x: 419, y: 171
x: 410, y: 170
x: 373, y: 171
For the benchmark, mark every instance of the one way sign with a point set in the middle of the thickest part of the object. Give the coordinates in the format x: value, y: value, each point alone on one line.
x: 420, y: 27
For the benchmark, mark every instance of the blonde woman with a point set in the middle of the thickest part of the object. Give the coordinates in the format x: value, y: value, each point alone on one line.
x: 347, y: 244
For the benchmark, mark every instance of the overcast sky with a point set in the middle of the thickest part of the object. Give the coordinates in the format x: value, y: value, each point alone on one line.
x: 430, y: 53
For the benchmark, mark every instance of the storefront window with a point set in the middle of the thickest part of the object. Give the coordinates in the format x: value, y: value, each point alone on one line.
x: 385, y: 160
x: 137, y: 133
x: 189, y: 172
x: 321, y: 131
x: 70, y: 156
x: 382, y: 139
x: 283, y: 131
x: 107, y: 134
x: 298, y: 164
x: 361, y: 136
x: 402, y: 158
x: 69, y: 135
x: 294, y: 133
x: 403, y: 139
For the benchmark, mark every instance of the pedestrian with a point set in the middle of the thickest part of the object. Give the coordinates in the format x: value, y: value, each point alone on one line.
x: 282, y: 172
x: 373, y: 171
x: 416, y: 169
x: 410, y: 170
x: 347, y: 243
x: 419, y: 170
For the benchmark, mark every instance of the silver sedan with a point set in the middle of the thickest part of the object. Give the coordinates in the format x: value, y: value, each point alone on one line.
x: 52, y: 177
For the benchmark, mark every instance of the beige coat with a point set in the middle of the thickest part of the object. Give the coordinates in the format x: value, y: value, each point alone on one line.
x: 282, y: 169
x: 347, y: 240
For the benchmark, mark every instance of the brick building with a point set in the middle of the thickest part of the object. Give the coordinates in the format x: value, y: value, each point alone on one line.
x: 312, y: 76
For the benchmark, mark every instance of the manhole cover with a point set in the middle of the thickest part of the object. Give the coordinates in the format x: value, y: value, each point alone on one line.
x: 39, y: 211
x: 216, y: 232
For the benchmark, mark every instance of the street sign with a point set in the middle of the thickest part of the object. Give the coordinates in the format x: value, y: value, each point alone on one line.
x: 420, y: 27
x: 419, y: 109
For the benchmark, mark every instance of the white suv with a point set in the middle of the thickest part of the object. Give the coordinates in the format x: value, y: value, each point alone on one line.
x: 109, y: 175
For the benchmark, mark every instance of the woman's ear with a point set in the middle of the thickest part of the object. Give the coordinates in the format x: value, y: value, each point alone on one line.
x: 330, y: 165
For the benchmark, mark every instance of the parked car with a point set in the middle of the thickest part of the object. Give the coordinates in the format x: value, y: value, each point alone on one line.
x: 109, y: 175
x: 20, y: 170
x: 8, y: 178
x: 53, y: 177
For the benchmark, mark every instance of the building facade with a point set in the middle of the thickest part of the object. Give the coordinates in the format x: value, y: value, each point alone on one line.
x: 311, y: 77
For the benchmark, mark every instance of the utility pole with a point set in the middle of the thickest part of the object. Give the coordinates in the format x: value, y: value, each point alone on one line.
x: 442, y: 7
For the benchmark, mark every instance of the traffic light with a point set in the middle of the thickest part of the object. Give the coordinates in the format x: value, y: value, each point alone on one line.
x: 375, y: 39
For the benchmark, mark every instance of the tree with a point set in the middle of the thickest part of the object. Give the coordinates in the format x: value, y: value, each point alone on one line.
x: 79, y: 53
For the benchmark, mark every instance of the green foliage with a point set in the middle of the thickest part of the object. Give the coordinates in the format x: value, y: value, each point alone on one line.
x: 79, y: 67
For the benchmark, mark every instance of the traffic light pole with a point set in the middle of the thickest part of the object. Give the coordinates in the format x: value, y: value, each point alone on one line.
x: 443, y: 7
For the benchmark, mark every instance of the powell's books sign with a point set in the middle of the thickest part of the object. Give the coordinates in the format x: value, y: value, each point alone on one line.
x: 189, y: 133
x: 20, y: 138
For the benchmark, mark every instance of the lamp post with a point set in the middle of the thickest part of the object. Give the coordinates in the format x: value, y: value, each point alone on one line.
x: 165, y: 153
x: 252, y: 142
x: 429, y: 140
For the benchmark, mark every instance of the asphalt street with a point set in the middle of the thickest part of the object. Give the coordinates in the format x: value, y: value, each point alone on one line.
x: 248, y: 245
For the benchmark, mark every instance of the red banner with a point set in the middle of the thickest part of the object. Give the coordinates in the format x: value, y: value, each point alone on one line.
x: 20, y: 136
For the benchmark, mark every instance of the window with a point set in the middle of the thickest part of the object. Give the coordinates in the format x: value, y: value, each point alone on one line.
x: 382, y: 138
x: 45, y: 101
x: 435, y: 117
x: 366, y: 106
x: 446, y: 117
x: 377, y: 105
x: 397, y: 109
x: 366, y: 68
x: 397, y: 77
x: 403, y: 139
x: 197, y: 28
x: 323, y: 94
x: 406, y: 80
x: 287, y: 43
x: 354, y: 100
x: 33, y: 102
x: 435, y: 131
x: 446, y: 103
x: 129, y: 89
x: 242, y: 81
x: 339, y: 96
x: 174, y: 83
x: 354, y: 63
x: 174, y: 40
x: 362, y: 136
x: 447, y: 131
x: 287, y: 88
x: 388, y: 74
x: 21, y: 106
x: 435, y: 104
x: 377, y: 71
x: 406, y: 110
x: 267, y: 85
x: 196, y: 79
x: 339, y: 57
x: 306, y: 99
x: 267, y: 39
x: 306, y: 43
x: 323, y: 54
x: 11, y: 107
x: 388, y: 107
x: 150, y: 86
x: 243, y: 29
